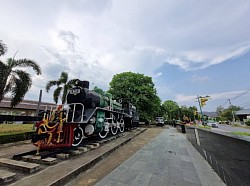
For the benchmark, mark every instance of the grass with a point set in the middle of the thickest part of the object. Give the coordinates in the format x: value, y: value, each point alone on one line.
x: 6, y: 129
x: 241, y: 133
x: 203, y: 127
x: 243, y: 126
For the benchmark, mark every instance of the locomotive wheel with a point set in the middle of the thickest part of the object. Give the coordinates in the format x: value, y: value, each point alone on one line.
x: 113, y: 130
x: 78, y: 136
x: 103, y: 133
x: 122, y: 126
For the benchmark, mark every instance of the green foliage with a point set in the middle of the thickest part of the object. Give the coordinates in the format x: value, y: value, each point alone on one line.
x: 63, y: 86
x: 13, y: 80
x: 15, y: 137
x: 241, y: 133
x: 247, y: 122
x: 227, y: 114
x: 98, y: 90
x: 172, y: 111
x: 139, y: 90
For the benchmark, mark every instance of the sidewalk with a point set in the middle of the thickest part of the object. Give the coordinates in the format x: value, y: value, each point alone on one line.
x: 169, y: 159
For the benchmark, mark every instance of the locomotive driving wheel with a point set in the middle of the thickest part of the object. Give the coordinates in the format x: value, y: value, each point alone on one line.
x: 122, y: 126
x: 104, y: 131
x: 114, y: 129
x: 78, y: 136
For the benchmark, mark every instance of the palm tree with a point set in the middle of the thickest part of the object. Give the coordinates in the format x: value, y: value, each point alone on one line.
x: 14, y: 80
x: 3, y: 48
x: 63, y: 85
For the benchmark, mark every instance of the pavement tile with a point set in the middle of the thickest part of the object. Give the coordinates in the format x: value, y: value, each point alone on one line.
x: 187, y: 166
x: 191, y: 176
x: 157, y: 180
x: 168, y: 159
x: 141, y: 179
x: 138, y: 165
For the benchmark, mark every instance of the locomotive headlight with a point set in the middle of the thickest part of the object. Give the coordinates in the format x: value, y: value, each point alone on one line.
x: 92, y: 120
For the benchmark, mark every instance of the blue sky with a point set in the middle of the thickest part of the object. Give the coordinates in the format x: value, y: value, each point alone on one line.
x: 190, y: 47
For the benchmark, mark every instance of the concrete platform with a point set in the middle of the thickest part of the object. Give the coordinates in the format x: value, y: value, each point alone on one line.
x: 62, y: 172
x: 19, y: 165
x: 6, y: 176
x: 169, y: 159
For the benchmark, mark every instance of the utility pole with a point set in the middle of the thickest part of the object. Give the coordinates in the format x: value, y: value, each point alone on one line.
x: 38, y: 106
x: 39, y: 102
x: 232, y: 110
x: 202, y: 117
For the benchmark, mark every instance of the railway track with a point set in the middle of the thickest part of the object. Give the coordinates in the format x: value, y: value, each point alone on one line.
x: 27, y: 164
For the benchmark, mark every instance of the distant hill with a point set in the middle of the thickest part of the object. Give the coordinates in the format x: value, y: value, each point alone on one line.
x: 210, y: 114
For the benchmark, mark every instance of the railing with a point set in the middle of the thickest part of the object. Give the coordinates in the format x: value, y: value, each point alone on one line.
x: 69, y: 109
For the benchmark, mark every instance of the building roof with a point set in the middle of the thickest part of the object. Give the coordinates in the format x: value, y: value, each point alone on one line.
x: 243, y: 112
x: 27, y: 105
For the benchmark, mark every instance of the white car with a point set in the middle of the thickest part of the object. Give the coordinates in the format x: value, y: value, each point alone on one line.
x: 211, y: 123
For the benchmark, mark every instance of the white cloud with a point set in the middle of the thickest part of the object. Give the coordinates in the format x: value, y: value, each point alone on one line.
x: 95, y: 39
x: 196, y: 78
x: 181, y: 98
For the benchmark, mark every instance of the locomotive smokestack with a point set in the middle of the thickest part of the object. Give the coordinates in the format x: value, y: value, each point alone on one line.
x: 85, y: 84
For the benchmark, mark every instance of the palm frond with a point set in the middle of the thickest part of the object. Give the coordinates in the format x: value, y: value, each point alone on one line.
x: 63, y: 78
x: 27, y: 63
x: 3, y: 48
x: 10, y: 84
x: 22, y: 85
x: 4, y: 73
x: 57, y: 94
x: 50, y: 84
x: 66, y: 88
x: 72, y: 82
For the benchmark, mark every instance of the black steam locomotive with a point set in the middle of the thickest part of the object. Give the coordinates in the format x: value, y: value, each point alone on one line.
x: 85, y: 114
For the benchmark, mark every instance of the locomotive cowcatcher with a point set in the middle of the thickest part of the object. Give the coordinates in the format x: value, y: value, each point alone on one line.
x: 84, y: 114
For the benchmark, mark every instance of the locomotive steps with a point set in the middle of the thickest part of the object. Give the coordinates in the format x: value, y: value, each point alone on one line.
x: 63, y: 171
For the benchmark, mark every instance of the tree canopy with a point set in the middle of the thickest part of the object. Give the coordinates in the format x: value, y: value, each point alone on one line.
x: 139, y: 90
x: 13, y: 79
x: 227, y: 114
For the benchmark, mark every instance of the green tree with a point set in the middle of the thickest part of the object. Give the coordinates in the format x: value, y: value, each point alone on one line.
x: 172, y: 110
x: 14, y: 80
x: 63, y: 85
x: 139, y: 90
x: 227, y: 114
x: 98, y: 90
x: 219, y: 111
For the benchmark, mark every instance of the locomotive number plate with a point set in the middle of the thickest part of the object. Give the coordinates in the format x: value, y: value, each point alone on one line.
x: 75, y: 91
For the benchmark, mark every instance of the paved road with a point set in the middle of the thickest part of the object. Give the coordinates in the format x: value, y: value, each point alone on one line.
x: 169, y: 159
x: 232, y: 129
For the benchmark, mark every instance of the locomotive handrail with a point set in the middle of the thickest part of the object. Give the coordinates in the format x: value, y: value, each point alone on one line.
x: 74, y: 110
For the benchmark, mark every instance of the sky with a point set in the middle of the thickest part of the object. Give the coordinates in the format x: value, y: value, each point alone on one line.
x: 189, y: 48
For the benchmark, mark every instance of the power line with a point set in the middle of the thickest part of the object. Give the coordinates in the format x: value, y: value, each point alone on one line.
x: 38, y: 86
x: 240, y: 94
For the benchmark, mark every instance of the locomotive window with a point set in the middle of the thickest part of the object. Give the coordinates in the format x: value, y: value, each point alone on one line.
x: 75, y: 91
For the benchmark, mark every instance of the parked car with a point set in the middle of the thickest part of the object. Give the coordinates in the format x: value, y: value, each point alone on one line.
x: 159, y: 121
x: 211, y: 123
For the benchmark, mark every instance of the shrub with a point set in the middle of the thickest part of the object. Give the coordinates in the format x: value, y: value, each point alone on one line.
x: 247, y: 122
